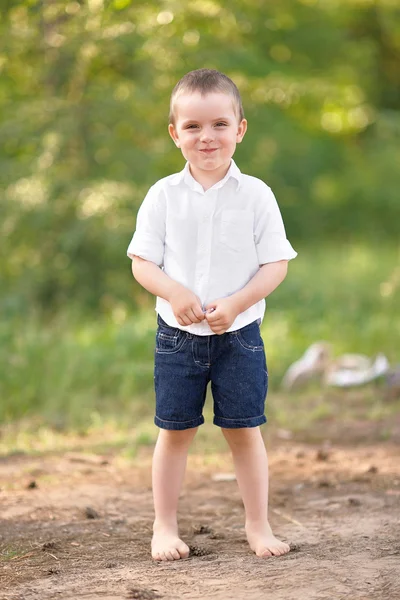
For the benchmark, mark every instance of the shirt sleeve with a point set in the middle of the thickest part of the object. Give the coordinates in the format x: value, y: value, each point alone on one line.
x: 149, y: 237
x: 270, y: 236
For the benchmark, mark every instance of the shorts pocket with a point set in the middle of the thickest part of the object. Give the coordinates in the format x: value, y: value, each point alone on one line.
x: 237, y: 229
x: 169, y: 341
x: 250, y: 338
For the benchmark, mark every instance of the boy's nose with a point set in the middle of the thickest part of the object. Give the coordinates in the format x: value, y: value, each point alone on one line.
x: 206, y: 135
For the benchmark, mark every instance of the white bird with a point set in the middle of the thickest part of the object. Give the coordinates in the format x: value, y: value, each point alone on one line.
x: 345, y: 371
x: 313, y: 363
x: 356, y: 369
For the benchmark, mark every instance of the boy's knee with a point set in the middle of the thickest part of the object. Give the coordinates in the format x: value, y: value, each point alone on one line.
x: 178, y: 437
x: 240, y: 436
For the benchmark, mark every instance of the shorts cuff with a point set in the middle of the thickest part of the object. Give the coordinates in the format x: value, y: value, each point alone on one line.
x: 178, y: 425
x: 239, y: 423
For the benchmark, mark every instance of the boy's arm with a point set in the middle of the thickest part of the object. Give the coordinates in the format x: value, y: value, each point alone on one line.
x: 263, y: 283
x: 185, y: 304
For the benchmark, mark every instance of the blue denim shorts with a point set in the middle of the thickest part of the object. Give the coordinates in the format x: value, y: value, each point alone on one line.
x: 234, y: 363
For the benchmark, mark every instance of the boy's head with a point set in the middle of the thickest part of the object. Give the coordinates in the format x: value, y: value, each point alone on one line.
x: 206, y: 122
x: 205, y: 81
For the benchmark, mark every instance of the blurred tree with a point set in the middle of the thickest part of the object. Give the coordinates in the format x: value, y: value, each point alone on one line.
x: 84, y: 94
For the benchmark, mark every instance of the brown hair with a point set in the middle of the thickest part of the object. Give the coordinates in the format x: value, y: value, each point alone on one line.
x: 206, y: 81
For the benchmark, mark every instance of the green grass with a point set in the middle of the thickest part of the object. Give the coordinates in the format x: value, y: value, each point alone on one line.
x: 348, y: 296
x: 8, y: 553
x: 80, y: 375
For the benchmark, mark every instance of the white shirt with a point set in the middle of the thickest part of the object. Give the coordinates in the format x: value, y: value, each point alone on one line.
x: 212, y: 242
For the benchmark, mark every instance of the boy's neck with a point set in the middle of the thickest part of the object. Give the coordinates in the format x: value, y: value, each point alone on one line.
x: 208, y: 178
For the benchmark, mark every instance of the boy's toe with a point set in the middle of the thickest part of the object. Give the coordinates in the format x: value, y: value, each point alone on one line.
x: 183, y: 550
x: 265, y: 553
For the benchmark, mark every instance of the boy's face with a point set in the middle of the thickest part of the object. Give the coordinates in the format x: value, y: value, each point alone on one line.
x: 207, y: 130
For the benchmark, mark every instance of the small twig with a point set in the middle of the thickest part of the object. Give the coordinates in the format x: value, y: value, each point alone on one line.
x: 49, y: 553
x: 287, y: 517
x: 23, y: 556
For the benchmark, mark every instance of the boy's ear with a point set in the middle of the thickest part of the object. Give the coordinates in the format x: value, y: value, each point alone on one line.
x: 241, y: 130
x: 173, y: 134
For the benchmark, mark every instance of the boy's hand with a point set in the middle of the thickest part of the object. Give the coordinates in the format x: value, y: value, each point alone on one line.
x: 185, y: 305
x: 221, y: 313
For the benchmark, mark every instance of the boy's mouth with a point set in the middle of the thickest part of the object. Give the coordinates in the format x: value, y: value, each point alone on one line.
x: 208, y: 150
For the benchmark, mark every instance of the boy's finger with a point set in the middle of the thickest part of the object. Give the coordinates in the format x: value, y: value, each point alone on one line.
x: 194, y: 317
x: 197, y: 311
x: 219, y: 325
x: 210, y: 317
x: 184, y: 320
x: 210, y: 307
x: 219, y: 330
x: 214, y: 318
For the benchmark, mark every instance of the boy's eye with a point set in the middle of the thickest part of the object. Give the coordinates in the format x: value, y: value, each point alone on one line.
x: 191, y: 126
x: 221, y: 124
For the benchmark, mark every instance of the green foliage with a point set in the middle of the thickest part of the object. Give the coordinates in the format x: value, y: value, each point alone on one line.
x: 74, y: 372
x: 84, y: 94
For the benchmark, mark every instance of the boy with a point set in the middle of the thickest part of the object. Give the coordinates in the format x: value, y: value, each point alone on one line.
x: 211, y: 245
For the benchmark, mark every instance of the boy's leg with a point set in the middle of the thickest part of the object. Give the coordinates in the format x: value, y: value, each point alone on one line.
x: 251, y: 466
x: 169, y: 464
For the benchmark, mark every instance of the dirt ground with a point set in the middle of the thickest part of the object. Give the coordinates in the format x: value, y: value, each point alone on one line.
x: 79, y: 526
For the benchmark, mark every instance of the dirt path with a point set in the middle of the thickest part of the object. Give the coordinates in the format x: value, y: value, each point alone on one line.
x: 339, y: 509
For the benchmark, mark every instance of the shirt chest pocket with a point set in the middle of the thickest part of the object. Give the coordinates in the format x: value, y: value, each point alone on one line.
x: 236, y: 231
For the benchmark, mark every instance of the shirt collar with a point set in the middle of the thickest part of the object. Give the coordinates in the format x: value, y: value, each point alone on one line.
x: 186, y: 177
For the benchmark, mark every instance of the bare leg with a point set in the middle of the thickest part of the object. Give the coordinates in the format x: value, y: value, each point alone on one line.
x: 169, y: 464
x: 251, y: 466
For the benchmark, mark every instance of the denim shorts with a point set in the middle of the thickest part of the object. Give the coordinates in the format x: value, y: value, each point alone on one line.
x: 234, y: 363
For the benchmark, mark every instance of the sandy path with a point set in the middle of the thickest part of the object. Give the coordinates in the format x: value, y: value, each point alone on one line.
x: 340, y: 511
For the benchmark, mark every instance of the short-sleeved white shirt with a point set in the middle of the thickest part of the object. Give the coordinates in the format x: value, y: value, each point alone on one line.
x: 212, y: 242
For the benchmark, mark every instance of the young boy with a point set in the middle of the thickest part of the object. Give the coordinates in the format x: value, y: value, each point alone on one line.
x: 211, y: 245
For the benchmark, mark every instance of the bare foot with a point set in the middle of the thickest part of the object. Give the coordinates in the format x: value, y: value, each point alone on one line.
x: 166, y: 544
x: 263, y: 542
